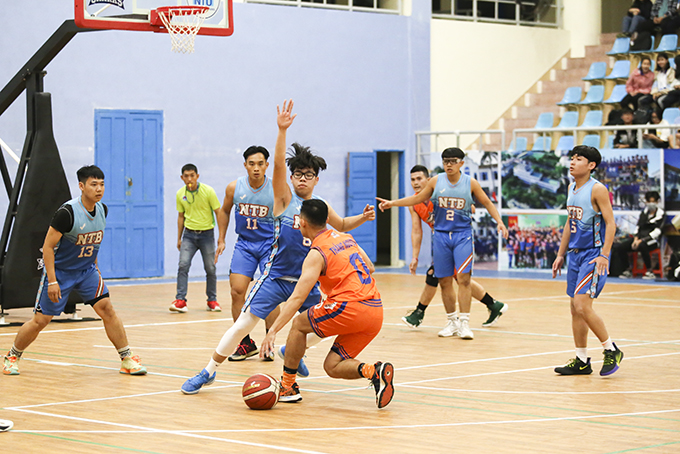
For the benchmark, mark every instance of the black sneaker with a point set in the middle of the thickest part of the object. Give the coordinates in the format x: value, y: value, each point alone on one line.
x: 575, y: 367
x: 612, y: 359
x: 382, y: 382
x: 414, y: 319
x: 244, y: 351
x: 497, y: 309
x: 291, y: 394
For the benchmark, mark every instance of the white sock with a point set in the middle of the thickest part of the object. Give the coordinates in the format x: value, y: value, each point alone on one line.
x: 464, y: 316
x: 582, y: 354
x: 608, y: 344
x: 453, y: 316
x: 212, y: 366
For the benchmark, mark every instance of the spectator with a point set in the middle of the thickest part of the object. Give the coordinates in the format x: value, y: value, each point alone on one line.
x: 639, y: 12
x: 664, y: 80
x: 658, y: 137
x: 645, y: 239
x: 639, y: 84
x: 672, y: 98
x: 626, y: 138
x: 664, y: 18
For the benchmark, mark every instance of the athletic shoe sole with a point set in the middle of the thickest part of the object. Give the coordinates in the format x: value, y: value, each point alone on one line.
x: 178, y: 309
x: 5, y: 425
x: 208, y: 383
x: 234, y: 357
x: 614, y: 369
x: 386, y: 392
x: 403, y: 319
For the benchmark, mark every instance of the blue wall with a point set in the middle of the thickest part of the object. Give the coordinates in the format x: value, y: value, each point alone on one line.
x: 360, y: 81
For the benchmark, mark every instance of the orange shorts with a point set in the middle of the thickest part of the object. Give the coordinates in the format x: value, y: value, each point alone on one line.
x: 356, y: 323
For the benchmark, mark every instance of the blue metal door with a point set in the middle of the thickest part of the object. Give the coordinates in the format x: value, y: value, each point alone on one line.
x: 129, y: 149
x: 361, y: 190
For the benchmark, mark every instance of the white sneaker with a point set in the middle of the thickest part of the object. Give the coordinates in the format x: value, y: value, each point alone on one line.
x: 464, y: 331
x: 450, y: 329
x: 649, y: 275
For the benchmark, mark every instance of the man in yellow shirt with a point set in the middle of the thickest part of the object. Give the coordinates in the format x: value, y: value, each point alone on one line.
x: 196, y: 203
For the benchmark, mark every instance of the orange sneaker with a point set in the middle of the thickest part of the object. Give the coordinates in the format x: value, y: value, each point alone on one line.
x: 382, y: 382
x: 132, y: 365
x: 213, y: 307
x: 291, y: 394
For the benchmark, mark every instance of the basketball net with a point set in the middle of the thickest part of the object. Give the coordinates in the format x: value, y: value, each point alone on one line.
x: 182, y: 23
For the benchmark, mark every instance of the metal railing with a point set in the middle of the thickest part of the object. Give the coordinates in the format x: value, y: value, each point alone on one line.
x: 544, y: 13
x: 435, y: 148
x: 377, y: 6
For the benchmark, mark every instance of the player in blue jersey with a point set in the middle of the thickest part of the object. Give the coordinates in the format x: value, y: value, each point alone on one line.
x: 288, y: 251
x: 589, y: 244
x: 453, y: 244
x: 252, y: 199
x: 70, y: 258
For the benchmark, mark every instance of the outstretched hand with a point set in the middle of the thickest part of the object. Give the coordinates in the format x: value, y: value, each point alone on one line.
x: 284, y: 116
x: 384, y: 204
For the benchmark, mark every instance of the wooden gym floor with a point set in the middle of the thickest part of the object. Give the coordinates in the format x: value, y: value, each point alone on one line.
x: 497, y: 393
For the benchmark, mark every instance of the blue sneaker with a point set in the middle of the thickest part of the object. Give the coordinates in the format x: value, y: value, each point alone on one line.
x: 196, y: 382
x: 302, y: 368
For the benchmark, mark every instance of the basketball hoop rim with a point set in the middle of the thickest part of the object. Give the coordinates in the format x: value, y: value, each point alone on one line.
x: 184, y: 10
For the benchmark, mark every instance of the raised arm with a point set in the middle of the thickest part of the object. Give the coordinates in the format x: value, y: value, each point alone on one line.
x: 411, y: 200
x: 223, y: 216
x: 601, y: 203
x: 282, y: 194
x: 481, y: 196
x: 416, y: 239
x: 311, y: 270
x: 350, y: 222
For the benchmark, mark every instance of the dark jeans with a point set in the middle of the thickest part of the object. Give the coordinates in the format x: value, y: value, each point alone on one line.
x: 620, y: 262
x: 668, y: 25
x: 192, y: 242
x: 631, y: 101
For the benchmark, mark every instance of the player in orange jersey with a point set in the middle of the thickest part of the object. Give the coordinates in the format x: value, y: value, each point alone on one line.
x: 423, y: 212
x: 352, y: 311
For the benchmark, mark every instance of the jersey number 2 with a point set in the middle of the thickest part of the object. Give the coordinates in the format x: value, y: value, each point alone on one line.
x: 450, y: 214
x: 353, y: 259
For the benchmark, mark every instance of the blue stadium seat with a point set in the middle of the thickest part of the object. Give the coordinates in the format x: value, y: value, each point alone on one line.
x: 618, y: 93
x: 545, y: 120
x: 565, y: 143
x: 621, y: 46
x: 572, y: 95
x: 592, y: 140
x: 542, y: 144
x: 645, y: 51
x: 668, y: 43
x: 569, y: 120
x: 593, y: 118
x: 594, y: 96
x: 597, y: 71
x: 520, y: 144
x: 671, y: 114
x: 621, y: 70
x: 610, y: 141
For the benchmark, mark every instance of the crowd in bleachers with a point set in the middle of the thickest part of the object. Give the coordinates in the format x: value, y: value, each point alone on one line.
x: 532, y: 247
x: 641, y: 80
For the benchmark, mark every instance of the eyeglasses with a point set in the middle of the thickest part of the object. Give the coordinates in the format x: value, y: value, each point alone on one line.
x: 306, y: 175
x: 451, y: 161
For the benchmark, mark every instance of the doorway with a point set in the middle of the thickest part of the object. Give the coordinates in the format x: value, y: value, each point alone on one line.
x: 390, y: 224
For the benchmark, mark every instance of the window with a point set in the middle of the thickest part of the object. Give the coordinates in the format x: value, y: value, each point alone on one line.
x: 383, y: 6
x: 519, y: 12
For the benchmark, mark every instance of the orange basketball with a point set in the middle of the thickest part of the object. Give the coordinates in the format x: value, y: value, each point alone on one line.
x: 261, y: 392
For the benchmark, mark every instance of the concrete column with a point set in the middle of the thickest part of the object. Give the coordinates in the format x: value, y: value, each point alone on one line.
x: 583, y: 19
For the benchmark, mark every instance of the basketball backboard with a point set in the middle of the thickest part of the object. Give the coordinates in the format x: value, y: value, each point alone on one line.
x: 138, y: 15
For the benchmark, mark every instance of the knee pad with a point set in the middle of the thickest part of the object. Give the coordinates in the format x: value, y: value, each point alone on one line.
x: 430, y: 279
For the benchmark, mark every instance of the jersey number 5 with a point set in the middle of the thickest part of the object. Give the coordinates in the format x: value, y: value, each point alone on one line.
x: 86, y: 251
x: 353, y: 259
x: 573, y: 226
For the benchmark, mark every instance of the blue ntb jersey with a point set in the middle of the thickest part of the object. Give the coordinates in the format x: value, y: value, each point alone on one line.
x: 253, y: 210
x: 452, y: 204
x: 289, y: 248
x: 78, y: 248
x: 586, y: 229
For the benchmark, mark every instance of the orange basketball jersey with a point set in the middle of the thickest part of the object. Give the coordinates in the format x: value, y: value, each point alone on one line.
x: 346, y: 277
x: 425, y: 211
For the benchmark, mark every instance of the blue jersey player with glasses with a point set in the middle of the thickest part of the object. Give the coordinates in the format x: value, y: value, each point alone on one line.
x: 70, y: 257
x: 588, y: 236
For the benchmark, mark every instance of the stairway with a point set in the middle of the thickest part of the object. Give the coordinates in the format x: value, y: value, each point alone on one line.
x: 544, y: 95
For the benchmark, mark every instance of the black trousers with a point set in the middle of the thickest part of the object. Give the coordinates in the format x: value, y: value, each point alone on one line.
x: 620, y: 262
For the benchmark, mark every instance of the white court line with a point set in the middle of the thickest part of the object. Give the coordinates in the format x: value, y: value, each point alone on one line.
x: 168, y: 432
x: 337, y: 429
x: 559, y: 393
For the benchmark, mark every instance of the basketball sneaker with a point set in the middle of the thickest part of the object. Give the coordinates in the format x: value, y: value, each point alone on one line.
x: 291, y: 394
x: 626, y: 274
x: 244, y: 351
x: 302, y: 370
x: 497, y: 309
x: 201, y: 379
x: 179, y: 306
x: 414, y: 319
x: 132, y: 365
x: 213, y: 307
x: 5, y: 425
x: 612, y: 359
x: 464, y: 331
x: 450, y: 329
x: 382, y: 381
x: 575, y: 367
x: 649, y: 275
x: 10, y: 365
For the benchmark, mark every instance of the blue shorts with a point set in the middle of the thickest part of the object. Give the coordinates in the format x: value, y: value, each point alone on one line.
x: 453, y: 253
x: 249, y: 256
x: 268, y: 293
x: 88, y: 283
x: 582, y: 277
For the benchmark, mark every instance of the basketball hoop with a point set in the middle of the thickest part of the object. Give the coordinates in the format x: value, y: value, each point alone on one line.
x: 182, y: 23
